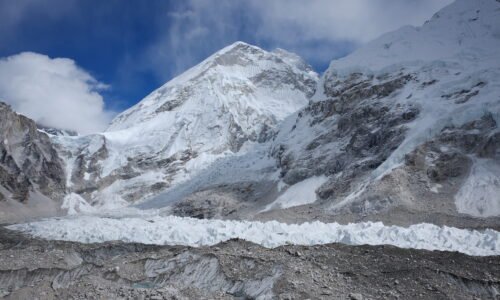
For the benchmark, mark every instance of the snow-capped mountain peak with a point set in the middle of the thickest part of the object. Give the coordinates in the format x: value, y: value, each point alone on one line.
x: 236, y: 96
x: 240, y: 69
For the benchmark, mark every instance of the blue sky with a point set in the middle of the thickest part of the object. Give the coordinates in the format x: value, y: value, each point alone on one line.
x: 130, y: 47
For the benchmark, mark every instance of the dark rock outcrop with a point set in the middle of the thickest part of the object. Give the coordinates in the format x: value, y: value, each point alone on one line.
x: 28, y: 160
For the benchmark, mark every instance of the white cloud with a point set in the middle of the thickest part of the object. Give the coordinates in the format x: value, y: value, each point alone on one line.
x: 54, y: 92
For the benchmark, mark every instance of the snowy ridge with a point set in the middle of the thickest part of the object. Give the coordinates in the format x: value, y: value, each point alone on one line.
x: 231, y: 67
x: 464, y: 31
x: 171, y: 230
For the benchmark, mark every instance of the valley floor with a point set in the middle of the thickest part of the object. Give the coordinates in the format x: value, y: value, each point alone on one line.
x: 32, y: 268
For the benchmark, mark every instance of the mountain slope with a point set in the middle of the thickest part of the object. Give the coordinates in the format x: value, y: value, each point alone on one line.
x: 404, y: 130
x: 32, y: 179
x: 407, y: 122
x: 234, y: 98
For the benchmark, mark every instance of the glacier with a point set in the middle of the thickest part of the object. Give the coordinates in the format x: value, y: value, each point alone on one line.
x: 153, y: 228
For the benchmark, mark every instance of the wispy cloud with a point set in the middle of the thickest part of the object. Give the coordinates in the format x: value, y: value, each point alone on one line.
x: 192, y: 31
x: 54, y: 92
x: 318, y: 30
x: 354, y: 20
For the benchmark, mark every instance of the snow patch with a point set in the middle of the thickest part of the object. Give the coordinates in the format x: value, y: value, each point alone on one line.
x: 301, y: 193
x: 172, y: 230
x: 435, y: 188
x: 479, y: 196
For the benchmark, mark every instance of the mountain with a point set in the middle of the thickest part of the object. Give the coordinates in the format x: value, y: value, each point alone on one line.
x: 407, y: 125
x: 31, y: 173
x: 403, y: 130
x: 349, y: 169
x: 234, y: 98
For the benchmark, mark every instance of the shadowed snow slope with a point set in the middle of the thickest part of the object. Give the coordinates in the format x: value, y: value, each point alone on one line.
x: 172, y: 230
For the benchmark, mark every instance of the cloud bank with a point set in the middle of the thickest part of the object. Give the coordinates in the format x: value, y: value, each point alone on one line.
x: 54, y: 92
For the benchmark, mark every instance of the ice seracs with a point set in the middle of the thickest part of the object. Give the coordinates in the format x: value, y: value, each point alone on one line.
x: 171, y: 230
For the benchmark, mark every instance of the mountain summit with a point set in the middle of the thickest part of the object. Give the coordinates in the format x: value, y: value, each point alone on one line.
x: 252, y: 80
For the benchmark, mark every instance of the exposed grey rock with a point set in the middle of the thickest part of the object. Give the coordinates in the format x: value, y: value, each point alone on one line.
x: 365, y: 131
x: 28, y: 160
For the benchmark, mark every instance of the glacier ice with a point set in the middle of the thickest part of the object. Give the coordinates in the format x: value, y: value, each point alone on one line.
x: 172, y: 230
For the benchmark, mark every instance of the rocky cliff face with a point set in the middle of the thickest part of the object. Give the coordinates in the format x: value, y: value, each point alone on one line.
x: 32, y: 177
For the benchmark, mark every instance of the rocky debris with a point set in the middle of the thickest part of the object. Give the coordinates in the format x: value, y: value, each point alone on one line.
x: 422, y: 189
x: 433, y: 173
x: 447, y: 155
x: 31, y: 268
x: 207, y: 204
x: 225, y: 201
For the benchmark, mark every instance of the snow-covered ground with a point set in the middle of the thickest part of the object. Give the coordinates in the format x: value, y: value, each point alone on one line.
x: 172, y: 230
